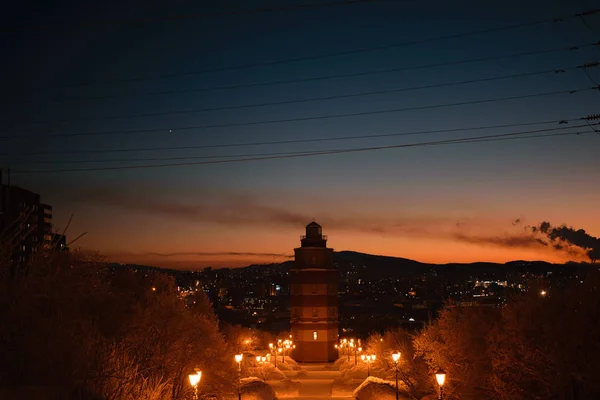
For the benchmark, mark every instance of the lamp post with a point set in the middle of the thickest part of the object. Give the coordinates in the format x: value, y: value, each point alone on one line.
x: 262, y: 360
x: 396, y: 358
x: 368, y: 359
x: 274, y: 353
x: 440, y: 376
x: 238, y: 359
x: 194, y: 380
x: 280, y: 350
x: 287, y: 348
x: 344, y: 343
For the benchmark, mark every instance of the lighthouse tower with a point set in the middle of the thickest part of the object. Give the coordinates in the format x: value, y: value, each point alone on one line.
x: 313, y: 299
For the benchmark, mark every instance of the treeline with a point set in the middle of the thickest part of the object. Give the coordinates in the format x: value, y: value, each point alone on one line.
x: 72, y: 328
x: 542, y: 346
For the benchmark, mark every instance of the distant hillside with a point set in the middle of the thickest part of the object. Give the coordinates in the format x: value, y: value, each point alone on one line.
x: 371, y: 266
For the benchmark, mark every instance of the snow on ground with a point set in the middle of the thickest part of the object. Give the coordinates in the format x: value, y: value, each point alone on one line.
x: 285, y: 388
x: 344, y: 387
x: 255, y: 389
x: 377, y: 389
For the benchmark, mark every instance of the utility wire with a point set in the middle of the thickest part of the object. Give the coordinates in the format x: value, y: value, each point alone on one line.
x: 587, y: 13
x: 182, y: 17
x: 244, y: 155
x: 323, y: 77
x: 278, y: 142
x: 477, y: 139
x: 326, y: 55
x: 319, y: 117
x: 307, y: 100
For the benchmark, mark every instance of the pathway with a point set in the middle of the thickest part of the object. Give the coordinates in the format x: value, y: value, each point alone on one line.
x: 315, y: 383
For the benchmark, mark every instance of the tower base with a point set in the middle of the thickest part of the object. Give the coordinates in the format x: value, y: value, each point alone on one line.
x: 315, y: 351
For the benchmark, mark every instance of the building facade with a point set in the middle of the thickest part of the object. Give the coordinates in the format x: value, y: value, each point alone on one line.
x: 26, y: 224
x: 313, y: 299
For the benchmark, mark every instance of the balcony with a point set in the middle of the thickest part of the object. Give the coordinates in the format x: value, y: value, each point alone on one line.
x: 322, y: 237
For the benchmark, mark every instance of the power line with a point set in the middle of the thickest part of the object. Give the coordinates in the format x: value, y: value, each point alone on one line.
x: 252, y: 154
x: 267, y: 143
x: 320, y: 56
x: 324, y: 77
x: 306, y: 100
x: 195, y: 16
x: 319, y: 117
x: 477, y: 139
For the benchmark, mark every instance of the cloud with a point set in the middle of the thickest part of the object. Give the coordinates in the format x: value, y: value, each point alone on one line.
x: 509, y: 241
x: 203, y: 254
x: 237, y: 209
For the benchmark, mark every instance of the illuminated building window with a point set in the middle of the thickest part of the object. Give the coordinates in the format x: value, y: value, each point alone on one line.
x: 315, y: 335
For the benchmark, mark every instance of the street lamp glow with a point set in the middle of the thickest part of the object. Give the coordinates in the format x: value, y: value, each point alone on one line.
x: 396, y: 358
x: 257, y: 358
x: 543, y: 292
x: 238, y: 359
x: 270, y: 345
x: 362, y: 357
x: 440, y: 376
x: 195, y: 378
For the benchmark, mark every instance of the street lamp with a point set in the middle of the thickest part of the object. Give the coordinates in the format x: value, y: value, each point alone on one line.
x: 262, y: 360
x: 396, y: 358
x: 440, y: 376
x: 274, y: 352
x: 238, y: 359
x: 347, y: 344
x: 194, y: 380
x: 287, y: 348
x: 368, y: 359
x: 280, y: 350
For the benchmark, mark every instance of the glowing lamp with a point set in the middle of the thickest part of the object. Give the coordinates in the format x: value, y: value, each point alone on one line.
x: 396, y: 357
x: 238, y: 358
x: 440, y: 376
x: 195, y: 378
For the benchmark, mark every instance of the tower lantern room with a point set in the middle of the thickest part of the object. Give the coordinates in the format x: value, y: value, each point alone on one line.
x: 314, y: 236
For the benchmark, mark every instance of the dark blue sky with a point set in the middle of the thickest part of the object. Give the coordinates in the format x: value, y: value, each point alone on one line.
x: 47, y: 50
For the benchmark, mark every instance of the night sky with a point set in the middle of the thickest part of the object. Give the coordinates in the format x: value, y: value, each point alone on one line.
x: 74, y: 69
